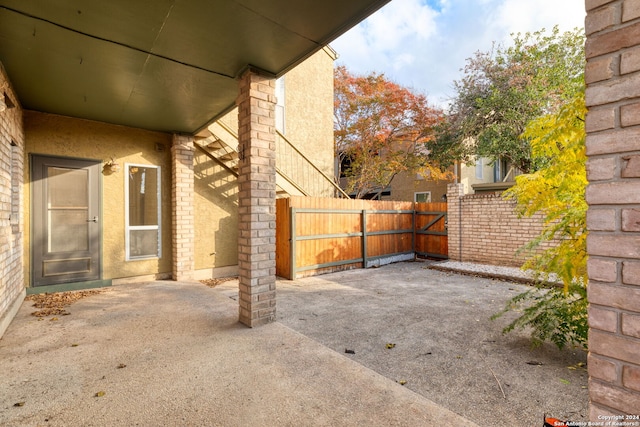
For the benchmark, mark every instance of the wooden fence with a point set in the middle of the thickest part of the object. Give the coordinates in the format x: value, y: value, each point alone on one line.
x: 319, y: 235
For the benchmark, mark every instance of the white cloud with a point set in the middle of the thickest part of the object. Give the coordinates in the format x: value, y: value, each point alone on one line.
x: 423, y: 44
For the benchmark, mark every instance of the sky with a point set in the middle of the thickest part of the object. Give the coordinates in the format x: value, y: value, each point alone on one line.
x: 423, y: 44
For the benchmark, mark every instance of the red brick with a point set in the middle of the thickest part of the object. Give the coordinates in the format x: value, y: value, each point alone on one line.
x: 614, y: 346
x: 613, y: 90
x: 613, y: 41
x: 631, y: 219
x: 630, y: 10
x: 614, y: 193
x: 602, y: 270
x: 613, y: 142
x: 631, y: 273
x: 601, y: 169
x: 610, y: 245
x: 614, y: 296
x: 601, y: 368
x: 601, y: 219
x: 600, y: 119
x: 619, y: 399
x: 605, y: 320
x: 600, y: 19
x: 630, y: 61
x: 597, y: 412
x: 631, y: 168
x: 592, y: 4
x: 630, y: 115
x: 631, y: 377
x: 631, y: 325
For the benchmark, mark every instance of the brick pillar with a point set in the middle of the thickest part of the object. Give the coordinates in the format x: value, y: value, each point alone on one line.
x: 257, y: 199
x: 613, y: 170
x: 454, y: 195
x: 182, y: 209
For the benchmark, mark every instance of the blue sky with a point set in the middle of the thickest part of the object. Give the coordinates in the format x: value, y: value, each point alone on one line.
x: 423, y: 44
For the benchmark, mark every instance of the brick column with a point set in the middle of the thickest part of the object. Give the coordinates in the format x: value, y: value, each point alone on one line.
x: 257, y: 199
x: 613, y: 170
x: 182, y: 209
x: 454, y: 195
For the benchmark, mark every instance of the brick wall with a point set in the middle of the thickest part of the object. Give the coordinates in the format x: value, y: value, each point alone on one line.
x: 11, y: 204
x: 257, y: 199
x: 613, y: 170
x: 182, y: 207
x: 484, y: 228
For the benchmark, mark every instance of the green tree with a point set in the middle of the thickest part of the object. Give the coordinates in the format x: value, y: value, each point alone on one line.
x: 381, y: 129
x: 557, y: 190
x: 502, y: 90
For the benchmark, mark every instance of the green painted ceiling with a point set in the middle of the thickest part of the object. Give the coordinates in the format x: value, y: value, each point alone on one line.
x: 167, y: 65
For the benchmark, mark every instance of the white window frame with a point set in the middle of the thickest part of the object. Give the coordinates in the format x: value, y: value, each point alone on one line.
x: 130, y: 228
x: 415, y: 196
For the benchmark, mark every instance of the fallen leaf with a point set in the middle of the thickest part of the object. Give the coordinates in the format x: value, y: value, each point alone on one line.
x: 390, y: 345
x: 563, y: 381
x: 349, y: 351
x: 53, y: 319
x: 122, y: 365
x: 402, y: 382
x: 18, y: 404
x: 99, y: 394
x: 74, y: 345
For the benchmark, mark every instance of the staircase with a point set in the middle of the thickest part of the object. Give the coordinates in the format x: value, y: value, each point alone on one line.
x: 296, y: 175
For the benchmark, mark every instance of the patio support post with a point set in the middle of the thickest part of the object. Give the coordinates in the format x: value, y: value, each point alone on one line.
x: 182, y: 210
x: 257, y: 198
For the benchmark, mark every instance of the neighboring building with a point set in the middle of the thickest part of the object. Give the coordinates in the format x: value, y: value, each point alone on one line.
x: 483, y: 176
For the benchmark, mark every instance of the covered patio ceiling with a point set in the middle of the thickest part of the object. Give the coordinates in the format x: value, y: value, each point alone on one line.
x: 167, y: 65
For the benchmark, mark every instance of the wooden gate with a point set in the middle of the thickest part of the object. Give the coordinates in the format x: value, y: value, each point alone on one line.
x: 431, y: 239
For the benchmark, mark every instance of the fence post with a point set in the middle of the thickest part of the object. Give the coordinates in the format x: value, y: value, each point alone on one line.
x: 413, y: 234
x: 292, y: 243
x: 364, y: 238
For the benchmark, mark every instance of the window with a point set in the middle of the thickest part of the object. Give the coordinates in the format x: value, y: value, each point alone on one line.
x: 499, y: 170
x: 142, y: 212
x: 422, y: 197
x: 479, y: 168
x: 280, y: 105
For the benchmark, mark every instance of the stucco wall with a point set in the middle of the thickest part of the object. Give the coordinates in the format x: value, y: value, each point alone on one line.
x: 405, y: 185
x: 11, y: 205
x: 468, y: 175
x: 70, y: 137
x: 216, y: 216
x: 309, y: 109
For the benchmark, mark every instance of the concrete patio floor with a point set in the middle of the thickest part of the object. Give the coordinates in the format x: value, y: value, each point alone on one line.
x: 173, y: 353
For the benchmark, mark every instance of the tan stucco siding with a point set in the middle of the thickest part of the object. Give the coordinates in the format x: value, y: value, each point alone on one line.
x: 405, y: 185
x: 309, y: 109
x: 69, y: 137
x: 216, y: 215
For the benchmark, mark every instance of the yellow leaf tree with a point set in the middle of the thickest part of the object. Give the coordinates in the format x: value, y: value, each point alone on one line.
x: 557, y: 190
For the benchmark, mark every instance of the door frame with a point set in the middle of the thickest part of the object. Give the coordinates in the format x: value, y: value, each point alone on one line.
x: 72, y: 285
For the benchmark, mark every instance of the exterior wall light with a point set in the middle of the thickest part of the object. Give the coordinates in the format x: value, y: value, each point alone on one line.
x: 111, y: 166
